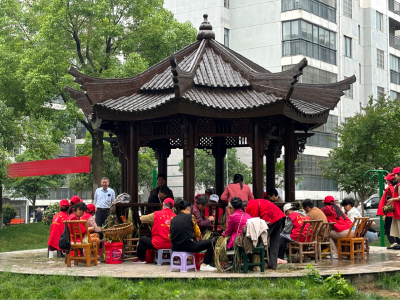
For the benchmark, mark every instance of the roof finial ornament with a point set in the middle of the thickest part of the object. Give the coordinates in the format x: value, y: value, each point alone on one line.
x: 205, y: 30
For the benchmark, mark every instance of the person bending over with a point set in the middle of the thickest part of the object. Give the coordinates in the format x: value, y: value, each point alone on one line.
x: 161, y: 221
x: 273, y: 196
x: 183, y: 239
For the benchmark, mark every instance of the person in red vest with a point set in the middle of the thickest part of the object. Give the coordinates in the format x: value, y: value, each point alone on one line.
x: 57, y: 226
x: 161, y: 221
x: 342, y: 223
x: 97, y: 235
x: 73, y: 201
x: 387, y: 218
x: 78, y: 213
x: 395, y: 227
x: 292, y: 230
x: 269, y: 212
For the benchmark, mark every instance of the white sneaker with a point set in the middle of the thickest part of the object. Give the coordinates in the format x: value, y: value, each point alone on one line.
x: 207, y: 268
x: 335, y: 256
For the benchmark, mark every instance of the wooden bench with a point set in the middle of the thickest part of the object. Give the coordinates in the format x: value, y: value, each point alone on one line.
x: 16, y: 222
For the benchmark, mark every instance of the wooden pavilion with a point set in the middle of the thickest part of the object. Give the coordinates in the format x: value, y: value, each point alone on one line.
x: 209, y: 97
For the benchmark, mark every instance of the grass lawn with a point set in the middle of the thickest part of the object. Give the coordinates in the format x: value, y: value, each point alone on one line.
x: 24, y: 237
x: 65, y: 287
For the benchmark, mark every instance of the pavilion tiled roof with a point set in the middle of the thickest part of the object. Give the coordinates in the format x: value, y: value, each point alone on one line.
x: 209, y: 75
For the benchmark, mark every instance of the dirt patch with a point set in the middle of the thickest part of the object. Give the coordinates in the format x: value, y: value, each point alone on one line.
x: 372, y: 288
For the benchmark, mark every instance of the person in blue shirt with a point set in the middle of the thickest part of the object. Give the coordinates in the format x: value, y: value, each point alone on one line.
x: 103, y: 198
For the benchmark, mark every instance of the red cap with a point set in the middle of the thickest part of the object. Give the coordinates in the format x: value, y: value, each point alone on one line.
x: 329, y: 199
x: 91, y: 207
x: 396, y: 170
x: 389, y: 177
x: 170, y: 202
x: 75, y: 200
x: 64, y: 202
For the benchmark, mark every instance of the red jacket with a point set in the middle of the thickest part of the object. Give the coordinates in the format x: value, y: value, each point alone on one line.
x: 73, y: 217
x: 396, y: 213
x: 297, y: 221
x: 264, y: 209
x: 160, y: 230
x: 341, y: 224
x: 389, y: 192
x: 57, y: 228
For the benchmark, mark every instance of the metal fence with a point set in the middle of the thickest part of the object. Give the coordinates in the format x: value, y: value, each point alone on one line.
x: 312, y: 6
x: 296, y: 47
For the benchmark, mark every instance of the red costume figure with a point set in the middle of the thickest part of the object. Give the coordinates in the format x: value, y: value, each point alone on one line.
x: 58, y: 225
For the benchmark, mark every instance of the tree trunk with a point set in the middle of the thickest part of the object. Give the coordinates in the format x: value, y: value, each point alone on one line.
x: 97, y: 163
x: 1, y: 205
x: 33, y: 201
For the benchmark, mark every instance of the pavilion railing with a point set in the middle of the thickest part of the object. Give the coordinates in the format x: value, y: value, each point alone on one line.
x: 312, y: 6
x: 141, y: 209
x: 394, y: 7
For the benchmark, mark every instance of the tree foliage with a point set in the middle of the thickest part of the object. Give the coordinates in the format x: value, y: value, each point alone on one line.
x: 369, y: 140
x: 280, y: 174
x: 9, y: 212
x: 204, y: 165
x: 112, y: 168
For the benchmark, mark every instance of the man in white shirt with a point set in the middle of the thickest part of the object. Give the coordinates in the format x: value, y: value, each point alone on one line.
x: 103, y: 198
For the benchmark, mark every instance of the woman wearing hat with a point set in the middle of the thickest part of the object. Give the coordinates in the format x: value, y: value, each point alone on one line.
x: 388, y: 216
x: 342, y: 223
x: 97, y: 235
x: 57, y: 226
x: 73, y: 201
x: 395, y: 227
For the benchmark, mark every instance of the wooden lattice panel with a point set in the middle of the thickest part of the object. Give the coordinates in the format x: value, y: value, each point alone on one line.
x: 205, y: 142
x: 174, y: 126
x: 241, y: 126
x: 223, y: 126
x: 234, y: 141
x: 205, y: 125
x: 175, y: 143
x: 160, y: 127
x: 145, y: 128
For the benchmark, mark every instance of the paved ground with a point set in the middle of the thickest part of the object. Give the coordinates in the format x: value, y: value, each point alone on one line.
x: 35, y: 262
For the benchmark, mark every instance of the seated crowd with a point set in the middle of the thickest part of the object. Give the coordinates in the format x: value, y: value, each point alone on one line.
x: 189, y: 227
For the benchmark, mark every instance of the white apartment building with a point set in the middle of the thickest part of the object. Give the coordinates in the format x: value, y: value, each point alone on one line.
x: 339, y: 38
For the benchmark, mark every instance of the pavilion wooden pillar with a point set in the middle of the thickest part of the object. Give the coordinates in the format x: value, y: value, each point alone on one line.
x: 122, y: 160
x: 164, y: 150
x: 270, y: 165
x: 132, y: 162
x: 219, y: 152
x: 188, y: 161
x: 290, y: 157
x: 257, y: 157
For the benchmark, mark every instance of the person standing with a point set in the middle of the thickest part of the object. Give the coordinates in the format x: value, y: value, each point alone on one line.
x: 103, y: 198
x: 161, y: 181
x: 39, y: 215
x: 387, y: 217
x: 269, y: 212
x: 395, y: 227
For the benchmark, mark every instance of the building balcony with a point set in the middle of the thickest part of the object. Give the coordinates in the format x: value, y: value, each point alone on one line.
x: 394, y: 41
x: 303, y: 47
x: 394, y: 77
x: 312, y: 6
x: 394, y: 7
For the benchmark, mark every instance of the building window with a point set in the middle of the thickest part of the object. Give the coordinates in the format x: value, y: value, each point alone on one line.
x: 347, y: 46
x: 315, y: 183
x: 67, y: 150
x: 394, y: 69
x: 226, y: 3
x: 394, y: 95
x: 304, y: 38
x: 379, y: 21
x: 226, y: 37
x: 359, y: 35
x: 348, y: 8
x: 313, y: 75
x: 331, y: 123
x: 380, y: 92
x: 380, y: 59
x: 349, y: 93
x: 318, y: 8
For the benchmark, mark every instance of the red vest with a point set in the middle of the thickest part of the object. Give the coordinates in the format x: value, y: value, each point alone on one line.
x: 160, y: 230
x: 86, y: 216
x: 73, y: 217
x: 264, y: 209
x: 396, y: 213
x: 389, y: 192
x: 57, y: 228
x: 341, y: 224
x: 297, y: 221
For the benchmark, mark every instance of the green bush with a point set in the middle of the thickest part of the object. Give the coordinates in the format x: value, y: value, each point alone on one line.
x: 49, y: 213
x: 9, y: 212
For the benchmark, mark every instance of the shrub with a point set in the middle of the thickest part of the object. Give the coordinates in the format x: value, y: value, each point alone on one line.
x: 49, y: 213
x: 9, y: 212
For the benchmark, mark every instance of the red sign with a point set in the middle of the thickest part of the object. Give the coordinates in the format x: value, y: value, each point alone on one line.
x: 69, y: 165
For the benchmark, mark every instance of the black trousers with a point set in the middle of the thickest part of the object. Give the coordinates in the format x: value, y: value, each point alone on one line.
x: 144, y: 244
x: 101, y: 216
x: 388, y: 224
x: 282, y: 247
x: 194, y: 246
x: 274, y: 232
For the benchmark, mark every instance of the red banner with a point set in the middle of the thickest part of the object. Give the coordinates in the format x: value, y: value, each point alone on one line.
x: 69, y: 165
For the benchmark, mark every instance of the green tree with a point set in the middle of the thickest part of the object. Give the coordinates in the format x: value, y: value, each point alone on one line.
x: 204, y: 165
x: 368, y: 140
x: 41, y: 39
x: 280, y: 174
x: 35, y: 186
x: 112, y: 168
